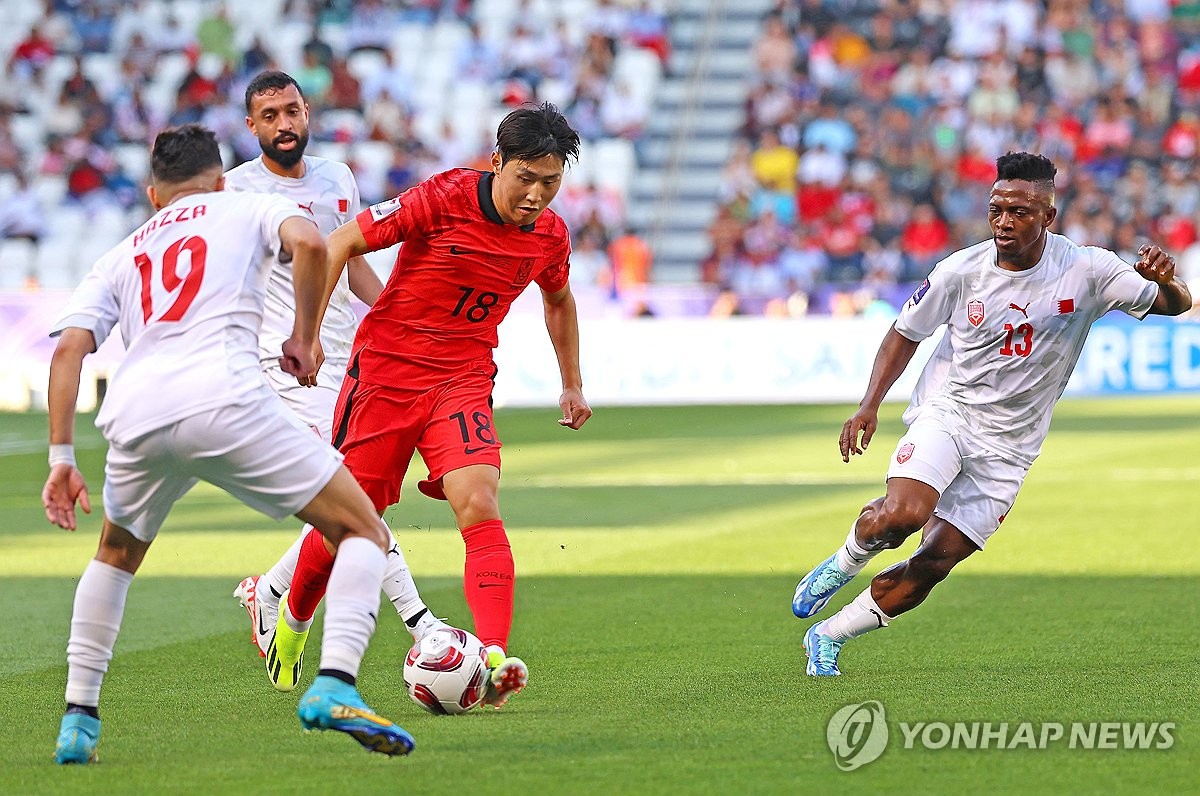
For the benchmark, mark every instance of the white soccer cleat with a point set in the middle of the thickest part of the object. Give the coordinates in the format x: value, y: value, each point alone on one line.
x: 264, y: 614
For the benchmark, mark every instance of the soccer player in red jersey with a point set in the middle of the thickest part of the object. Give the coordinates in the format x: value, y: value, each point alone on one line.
x: 421, y: 370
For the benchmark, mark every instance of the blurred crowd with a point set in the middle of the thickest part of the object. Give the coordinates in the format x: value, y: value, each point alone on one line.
x: 872, y: 128
x: 399, y: 89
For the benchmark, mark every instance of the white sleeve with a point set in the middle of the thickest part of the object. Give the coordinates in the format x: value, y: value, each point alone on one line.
x: 355, y: 199
x: 929, y: 306
x: 1119, y: 286
x: 274, y: 210
x: 93, y: 305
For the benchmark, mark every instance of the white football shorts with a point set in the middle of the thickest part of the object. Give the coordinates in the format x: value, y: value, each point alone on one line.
x: 314, y: 405
x: 977, y: 488
x: 258, y: 452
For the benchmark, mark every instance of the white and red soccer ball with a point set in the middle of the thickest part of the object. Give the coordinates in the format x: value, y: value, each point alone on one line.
x: 446, y: 672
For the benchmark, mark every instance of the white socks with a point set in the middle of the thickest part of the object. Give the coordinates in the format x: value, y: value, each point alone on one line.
x: 278, y: 578
x: 851, y: 557
x: 351, y: 604
x: 860, y: 616
x: 399, y: 587
x: 95, y: 622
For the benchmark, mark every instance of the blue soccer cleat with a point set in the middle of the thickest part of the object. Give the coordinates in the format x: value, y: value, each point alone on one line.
x: 822, y: 651
x: 330, y: 704
x: 78, y: 736
x: 818, y: 587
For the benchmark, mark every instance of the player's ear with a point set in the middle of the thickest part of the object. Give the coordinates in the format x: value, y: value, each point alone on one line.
x: 1051, y: 214
x: 152, y: 195
x: 496, y: 163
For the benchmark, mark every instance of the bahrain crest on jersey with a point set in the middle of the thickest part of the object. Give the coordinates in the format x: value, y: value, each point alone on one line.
x: 905, y: 453
x: 975, y: 312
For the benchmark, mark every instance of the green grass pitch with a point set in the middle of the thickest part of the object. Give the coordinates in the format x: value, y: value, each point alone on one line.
x: 657, y: 551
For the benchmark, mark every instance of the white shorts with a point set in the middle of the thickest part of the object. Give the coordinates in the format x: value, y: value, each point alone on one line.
x: 313, y: 405
x: 259, y: 452
x: 977, y: 488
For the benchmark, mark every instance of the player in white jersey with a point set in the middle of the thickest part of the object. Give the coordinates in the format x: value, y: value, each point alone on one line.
x: 1017, y: 310
x: 277, y: 115
x: 189, y: 403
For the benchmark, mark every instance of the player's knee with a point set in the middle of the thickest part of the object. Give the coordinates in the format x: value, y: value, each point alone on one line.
x: 897, y: 519
x: 477, y: 505
x: 932, y: 565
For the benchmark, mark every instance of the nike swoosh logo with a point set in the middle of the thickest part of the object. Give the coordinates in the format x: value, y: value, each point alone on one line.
x: 489, y: 585
x: 262, y: 631
x: 469, y: 451
x: 456, y: 250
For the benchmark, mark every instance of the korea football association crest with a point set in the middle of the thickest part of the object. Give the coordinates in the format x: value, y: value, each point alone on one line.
x: 905, y: 452
x: 523, y: 271
x: 975, y: 312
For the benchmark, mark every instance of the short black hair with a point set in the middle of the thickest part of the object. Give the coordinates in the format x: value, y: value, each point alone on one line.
x: 533, y: 131
x: 1026, y: 166
x: 271, y: 80
x: 183, y: 152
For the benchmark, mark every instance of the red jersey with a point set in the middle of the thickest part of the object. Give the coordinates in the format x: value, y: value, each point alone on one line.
x: 454, y: 280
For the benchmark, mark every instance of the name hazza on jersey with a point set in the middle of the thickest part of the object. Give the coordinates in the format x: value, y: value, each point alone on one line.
x: 191, y: 247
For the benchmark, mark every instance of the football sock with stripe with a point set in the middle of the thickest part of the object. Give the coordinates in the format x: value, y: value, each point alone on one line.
x: 399, y: 587
x: 278, y: 578
x: 488, y: 578
x: 859, y: 616
x: 851, y: 556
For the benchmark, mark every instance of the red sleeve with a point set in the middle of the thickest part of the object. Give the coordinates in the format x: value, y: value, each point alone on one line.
x: 553, y: 277
x: 413, y: 214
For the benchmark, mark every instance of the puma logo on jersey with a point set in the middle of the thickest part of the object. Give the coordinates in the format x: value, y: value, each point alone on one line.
x: 307, y: 208
x: 1022, y: 310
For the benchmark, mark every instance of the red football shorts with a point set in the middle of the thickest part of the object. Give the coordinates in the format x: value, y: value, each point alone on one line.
x: 378, y: 428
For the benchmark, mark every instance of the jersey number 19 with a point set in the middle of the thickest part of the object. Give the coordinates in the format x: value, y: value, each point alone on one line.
x: 197, y: 251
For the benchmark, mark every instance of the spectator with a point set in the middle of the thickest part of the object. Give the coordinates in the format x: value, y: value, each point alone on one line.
x: 774, y: 163
x: 925, y: 240
x: 630, y: 261
x: 31, y: 55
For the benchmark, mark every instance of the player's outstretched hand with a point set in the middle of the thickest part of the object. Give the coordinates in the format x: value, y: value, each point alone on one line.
x: 302, y: 361
x: 1155, y: 265
x: 63, y: 487
x: 864, y: 422
x: 575, y: 409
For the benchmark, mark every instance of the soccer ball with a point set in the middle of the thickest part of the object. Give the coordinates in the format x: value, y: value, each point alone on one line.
x: 446, y: 672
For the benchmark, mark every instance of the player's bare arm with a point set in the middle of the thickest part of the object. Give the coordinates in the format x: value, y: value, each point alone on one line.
x: 1155, y: 265
x: 562, y: 322
x: 364, y: 282
x: 302, y: 354
x: 343, y: 245
x: 895, y: 352
x: 65, y: 484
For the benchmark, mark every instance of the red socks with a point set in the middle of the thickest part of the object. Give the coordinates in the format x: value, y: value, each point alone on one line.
x: 488, y: 581
x: 311, y: 577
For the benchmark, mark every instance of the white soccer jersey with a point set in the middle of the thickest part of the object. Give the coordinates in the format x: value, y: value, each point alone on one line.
x: 1013, y: 337
x: 329, y: 192
x: 187, y: 288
